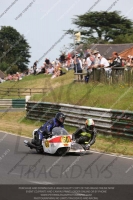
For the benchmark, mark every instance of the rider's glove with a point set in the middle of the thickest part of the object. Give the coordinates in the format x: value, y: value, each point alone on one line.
x: 74, y: 141
x: 50, y: 134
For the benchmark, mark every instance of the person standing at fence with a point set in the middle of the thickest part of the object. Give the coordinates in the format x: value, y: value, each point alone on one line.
x: 96, y: 60
x: 77, y: 66
x: 104, y: 64
x: 117, y: 62
x: 89, y: 67
x: 35, y: 67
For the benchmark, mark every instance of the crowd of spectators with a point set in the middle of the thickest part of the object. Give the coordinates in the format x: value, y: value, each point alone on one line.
x: 13, y: 77
x: 80, y: 62
x: 53, y: 68
x: 89, y: 60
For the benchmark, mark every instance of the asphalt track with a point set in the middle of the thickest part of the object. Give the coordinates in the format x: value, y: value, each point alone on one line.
x: 20, y: 165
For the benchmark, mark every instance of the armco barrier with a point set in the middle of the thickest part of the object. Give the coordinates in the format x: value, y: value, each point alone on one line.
x: 5, y: 102
x: 18, y: 103
x: 108, y: 121
x: 12, y: 103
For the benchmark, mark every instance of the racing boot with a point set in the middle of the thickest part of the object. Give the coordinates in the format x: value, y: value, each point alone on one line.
x: 87, y: 146
x: 33, y: 141
x: 39, y: 144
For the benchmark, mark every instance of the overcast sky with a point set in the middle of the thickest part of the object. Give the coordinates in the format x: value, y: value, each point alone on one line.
x: 43, y: 21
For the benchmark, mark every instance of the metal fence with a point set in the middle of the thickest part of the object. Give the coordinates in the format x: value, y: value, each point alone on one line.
x: 21, y: 91
x: 107, y: 121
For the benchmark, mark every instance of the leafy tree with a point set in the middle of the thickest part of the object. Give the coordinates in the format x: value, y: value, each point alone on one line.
x: 3, y: 66
x: 14, y: 49
x: 102, y: 27
x: 120, y: 39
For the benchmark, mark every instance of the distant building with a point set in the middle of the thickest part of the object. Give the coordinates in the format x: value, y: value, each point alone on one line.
x: 106, y: 50
x: 128, y: 52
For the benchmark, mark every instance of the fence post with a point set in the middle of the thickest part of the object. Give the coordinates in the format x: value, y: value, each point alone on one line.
x: 8, y: 91
x: 18, y: 92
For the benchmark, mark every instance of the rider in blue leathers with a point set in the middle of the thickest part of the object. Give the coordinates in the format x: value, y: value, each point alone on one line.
x: 46, y: 129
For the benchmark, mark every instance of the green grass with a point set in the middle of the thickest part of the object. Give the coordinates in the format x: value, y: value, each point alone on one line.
x: 91, y: 94
x: 64, y: 90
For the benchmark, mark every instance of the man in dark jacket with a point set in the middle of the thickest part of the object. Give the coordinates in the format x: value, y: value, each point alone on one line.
x: 117, y: 62
x: 86, y: 135
x: 77, y: 66
x: 35, y: 67
x: 46, y: 129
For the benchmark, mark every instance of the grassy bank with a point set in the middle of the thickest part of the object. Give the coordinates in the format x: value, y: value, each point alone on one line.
x: 64, y: 90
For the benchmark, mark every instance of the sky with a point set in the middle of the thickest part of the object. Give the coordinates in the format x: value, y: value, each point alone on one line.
x: 43, y: 22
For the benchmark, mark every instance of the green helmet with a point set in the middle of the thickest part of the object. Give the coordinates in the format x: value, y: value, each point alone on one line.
x: 89, y: 124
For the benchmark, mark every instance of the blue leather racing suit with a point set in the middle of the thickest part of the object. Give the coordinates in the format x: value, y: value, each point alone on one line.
x: 46, y: 128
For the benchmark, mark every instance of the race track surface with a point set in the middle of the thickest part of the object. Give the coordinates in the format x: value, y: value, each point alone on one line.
x: 20, y: 165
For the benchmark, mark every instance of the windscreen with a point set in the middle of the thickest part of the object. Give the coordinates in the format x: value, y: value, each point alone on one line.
x: 59, y: 131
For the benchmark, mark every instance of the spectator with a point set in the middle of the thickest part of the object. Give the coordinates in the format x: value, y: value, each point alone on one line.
x: 117, y: 62
x: 57, y: 71
x: 80, y: 61
x: 2, y: 80
x: 35, y: 67
x: 88, y: 62
x: 88, y: 67
x: 77, y: 66
x: 47, y: 61
x: 128, y: 60
x: 96, y: 60
x: 43, y: 67
x: 50, y: 70
x: 103, y: 62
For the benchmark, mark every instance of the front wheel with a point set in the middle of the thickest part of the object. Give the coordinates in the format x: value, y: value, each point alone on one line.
x: 62, y: 151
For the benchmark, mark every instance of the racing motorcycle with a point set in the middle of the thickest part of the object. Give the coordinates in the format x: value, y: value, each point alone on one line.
x: 59, y: 143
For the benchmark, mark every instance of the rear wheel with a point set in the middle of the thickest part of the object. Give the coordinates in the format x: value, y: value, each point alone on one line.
x: 62, y: 151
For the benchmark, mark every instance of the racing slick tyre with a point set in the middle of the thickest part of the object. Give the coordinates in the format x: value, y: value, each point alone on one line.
x: 62, y: 151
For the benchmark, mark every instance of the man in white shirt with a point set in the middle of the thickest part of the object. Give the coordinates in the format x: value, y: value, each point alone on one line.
x: 96, y: 59
x: 104, y: 64
x: 103, y: 61
x: 88, y: 62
